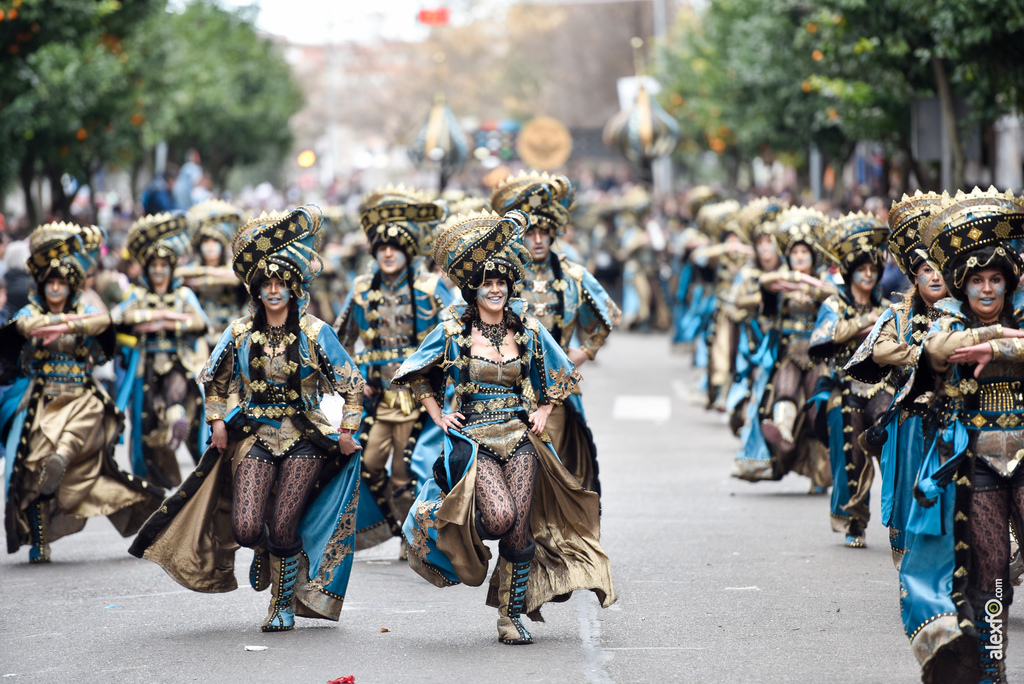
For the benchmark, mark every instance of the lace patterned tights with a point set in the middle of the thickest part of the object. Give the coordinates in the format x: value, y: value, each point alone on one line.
x: 504, y: 494
x: 254, y: 480
x: 990, y: 540
x: 796, y: 385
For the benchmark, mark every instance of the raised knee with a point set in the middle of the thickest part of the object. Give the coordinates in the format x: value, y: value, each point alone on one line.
x: 249, y: 536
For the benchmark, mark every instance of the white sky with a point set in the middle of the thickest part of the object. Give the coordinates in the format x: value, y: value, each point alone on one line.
x: 320, y: 21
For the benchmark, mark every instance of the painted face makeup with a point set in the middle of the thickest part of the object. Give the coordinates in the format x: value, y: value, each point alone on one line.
x: 985, y: 293
x: 57, y: 290
x: 866, y: 276
x: 211, y: 251
x: 539, y: 243
x: 159, y: 273
x: 495, y: 297
x: 281, y: 296
x: 391, y: 260
x: 800, y: 258
x: 929, y: 284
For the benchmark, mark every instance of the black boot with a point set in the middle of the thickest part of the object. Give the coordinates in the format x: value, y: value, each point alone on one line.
x: 38, y: 528
x: 513, y: 576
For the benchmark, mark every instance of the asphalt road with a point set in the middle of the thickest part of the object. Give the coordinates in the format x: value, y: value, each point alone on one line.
x: 718, y: 580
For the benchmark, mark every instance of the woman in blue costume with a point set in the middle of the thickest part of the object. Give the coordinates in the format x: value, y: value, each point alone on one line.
x: 742, y: 305
x: 277, y: 477
x: 890, y: 352
x: 780, y: 439
x: 693, y: 289
x: 856, y: 243
x: 59, y: 425
x: 499, y: 477
x: 222, y: 296
x: 970, y: 488
x: 893, y: 350
x: 165, y: 318
x: 389, y: 312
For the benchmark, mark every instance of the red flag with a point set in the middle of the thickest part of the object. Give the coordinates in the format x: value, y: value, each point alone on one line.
x: 439, y: 16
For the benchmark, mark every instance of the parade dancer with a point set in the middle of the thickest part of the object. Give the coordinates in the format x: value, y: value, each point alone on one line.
x: 567, y: 300
x: 890, y: 352
x: 390, y: 312
x: 59, y: 425
x: 742, y: 306
x: 277, y: 477
x: 690, y: 282
x: 499, y: 477
x: 165, y: 318
x: 855, y: 243
x: 970, y: 486
x: 726, y: 256
x: 792, y: 297
x: 893, y: 350
x: 221, y: 296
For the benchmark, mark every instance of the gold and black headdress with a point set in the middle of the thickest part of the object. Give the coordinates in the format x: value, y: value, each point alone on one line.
x: 403, y: 217
x: 700, y: 195
x: 215, y: 219
x: 854, y: 238
x: 472, y: 246
x: 59, y: 249
x: 800, y: 226
x: 752, y: 217
x: 546, y: 198
x: 164, y: 236
x: 971, y: 230
x: 281, y: 245
x: 715, y: 219
x: 905, y: 221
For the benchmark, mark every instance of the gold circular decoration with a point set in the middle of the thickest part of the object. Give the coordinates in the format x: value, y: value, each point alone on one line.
x: 544, y: 143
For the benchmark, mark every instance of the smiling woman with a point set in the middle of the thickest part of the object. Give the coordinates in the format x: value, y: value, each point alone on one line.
x: 499, y: 477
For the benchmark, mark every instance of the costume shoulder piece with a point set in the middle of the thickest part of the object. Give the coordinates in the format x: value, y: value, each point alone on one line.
x: 426, y: 282
x: 861, y: 365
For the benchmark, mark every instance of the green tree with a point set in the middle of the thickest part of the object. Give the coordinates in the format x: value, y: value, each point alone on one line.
x: 232, y: 93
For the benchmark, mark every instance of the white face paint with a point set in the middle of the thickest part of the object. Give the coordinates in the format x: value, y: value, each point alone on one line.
x: 211, y: 251
x: 274, y: 294
x: 493, y: 294
x: 391, y: 260
x: 57, y: 291
x: 159, y: 271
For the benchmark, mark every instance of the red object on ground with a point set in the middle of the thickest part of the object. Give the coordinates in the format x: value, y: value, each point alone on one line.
x: 439, y: 16
x: 351, y: 679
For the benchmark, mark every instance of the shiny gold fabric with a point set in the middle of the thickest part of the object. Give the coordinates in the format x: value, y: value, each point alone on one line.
x: 79, y: 429
x: 564, y: 522
x: 197, y: 547
x: 572, y: 445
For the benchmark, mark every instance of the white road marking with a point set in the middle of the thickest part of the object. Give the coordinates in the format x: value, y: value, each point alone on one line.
x: 657, y: 408
x: 594, y: 656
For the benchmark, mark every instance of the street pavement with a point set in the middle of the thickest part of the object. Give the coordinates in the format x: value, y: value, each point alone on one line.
x: 718, y: 580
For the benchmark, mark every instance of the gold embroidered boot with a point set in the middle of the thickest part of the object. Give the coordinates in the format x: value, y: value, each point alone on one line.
x: 779, y: 430
x: 283, y: 573
x: 38, y: 514
x: 513, y: 576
